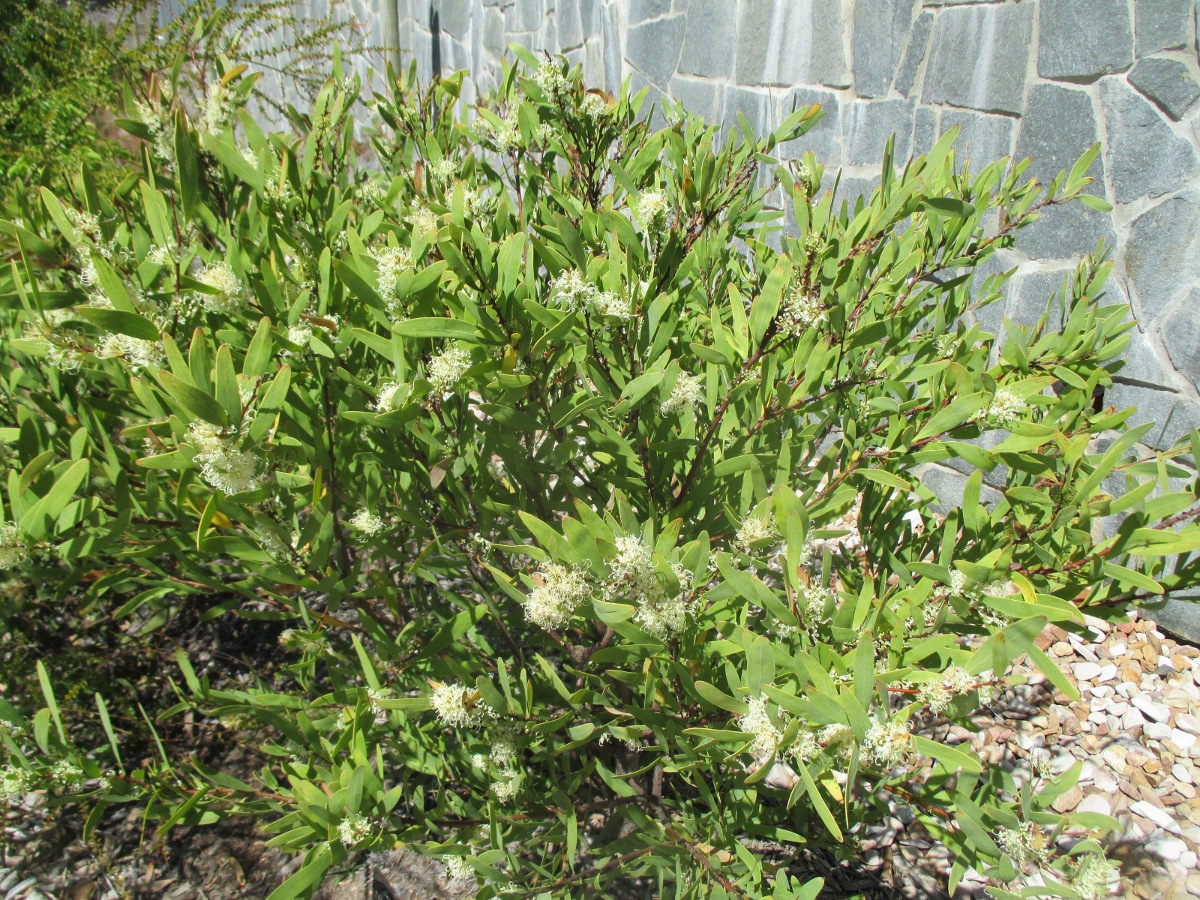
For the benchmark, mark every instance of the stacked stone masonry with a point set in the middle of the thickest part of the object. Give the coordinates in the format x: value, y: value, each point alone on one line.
x: 1039, y: 78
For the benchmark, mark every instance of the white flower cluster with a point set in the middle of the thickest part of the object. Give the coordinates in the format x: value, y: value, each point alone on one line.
x: 14, y: 783
x: 85, y: 223
x: 445, y: 370
x: 391, y: 263
x: 163, y: 256
x: 299, y: 334
x: 1096, y: 877
x: 504, y: 758
x: 754, y: 530
x: 837, y: 737
x: 506, y: 136
x: 572, y: 290
x: 304, y: 642
x: 424, y: 219
x: 354, y: 829
x: 66, y: 775
x: 559, y: 592
x: 458, y: 868
x: 137, y: 353
x: 387, y: 396
x: 550, y: 79
x: 805, y: 747
x: 686, y: 393
x: 594, y: 107
x: 632, y: 575
x: 223, y: 464
x: 816, y: 599
x: 217, y: 108
x: 459, y: 706
x: 368, y: 523
x: 13, y: 550
x: 652, y: 211
x: 1026, y: 845
x: 888, y: 741
x: 231, y: 293
x: 158, y: 123
x: 803, y: 311
x: 938, y: 695
x: 1006, y: 407
x: 756, y: 722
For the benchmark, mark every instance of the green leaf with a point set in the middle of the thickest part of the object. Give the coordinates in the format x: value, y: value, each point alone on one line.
x: 119, y: 322
x: 437, y: 327
x: 952, y: 757
x: 311, y: 874
x: 51, y: 702
x: 814, y: 794
x: 258, y: 356
x: 714, y: 696
x: 193, y: 400
x: 186, y: 166
x: 37, y: 520
x: 950, y: 207
x: 228, y: 394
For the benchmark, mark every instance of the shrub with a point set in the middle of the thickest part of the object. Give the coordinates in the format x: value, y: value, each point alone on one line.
x: 582, y: 495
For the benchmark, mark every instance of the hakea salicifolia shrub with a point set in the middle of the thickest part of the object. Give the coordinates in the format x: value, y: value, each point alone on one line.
x: 579, y: 464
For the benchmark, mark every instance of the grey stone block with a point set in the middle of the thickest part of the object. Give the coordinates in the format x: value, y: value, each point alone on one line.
x: 982, y: 138
x: 1146, y: 158
x: 1035, y: 293
x: 880, y: 31
x: 1161, y: 25
x: 570, y: 18
x: 781, y: 42
x: 1142, y: 364
x: 851, y: 190
x: 653, y: 48
x: 710, y: 39
x: 455, y: 17
x: 614, y: 63
x: 700, y: 97
x: 925, y: 130
x: 641, y: 10
x: 948, y: 486
x: 1084, y: 38
x: 1179, y: 330
x: 1160, y: 258
x: 914, y: 53
x: 1172, y: 414
x: 869, y: 123
x: 1066, y: 232
x: 1170, y: 83
x: 755, y: 105
x: 524, y: 15
x: 1059, y: 125
x: 979, y: 57
x: 825, y: 138
x: 1180, y: 617
x: 493, y: 32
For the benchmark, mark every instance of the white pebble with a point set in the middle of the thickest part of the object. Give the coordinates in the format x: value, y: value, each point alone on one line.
x: 1180, y: 772
x: 1182, y: 739
x: 1159, y: 817
x: 1168, y: 848
x: 1187, y: 722
x: 1151, y: 709
x: 1095, y: 803
x: 1085, y: 671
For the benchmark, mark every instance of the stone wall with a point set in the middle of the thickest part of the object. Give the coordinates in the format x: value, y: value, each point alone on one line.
x: 1039, y: 78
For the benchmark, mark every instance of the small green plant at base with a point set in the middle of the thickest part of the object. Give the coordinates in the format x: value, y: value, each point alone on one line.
x: 586, y: 492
